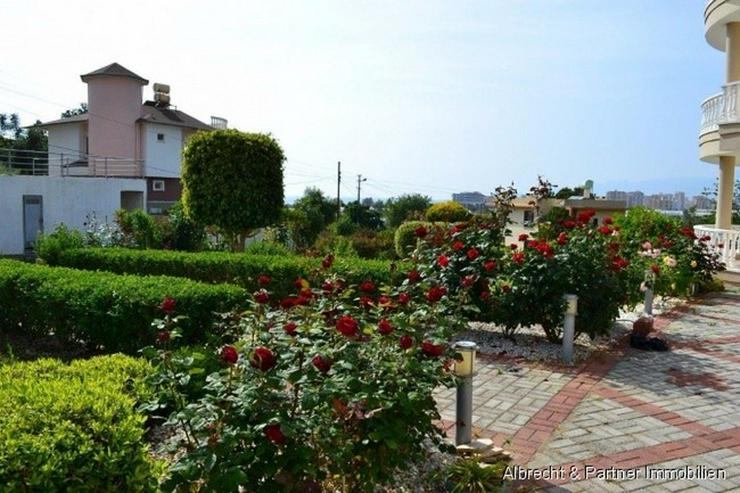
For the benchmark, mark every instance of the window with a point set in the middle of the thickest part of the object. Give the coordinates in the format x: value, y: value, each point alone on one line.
x: 528, y: 217
x: 158, y: 185
x: 160, y: 137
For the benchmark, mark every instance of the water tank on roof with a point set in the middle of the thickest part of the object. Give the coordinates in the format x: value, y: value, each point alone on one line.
x: 218, y: 123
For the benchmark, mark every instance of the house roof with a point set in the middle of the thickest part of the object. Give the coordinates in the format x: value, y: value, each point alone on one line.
x: 596, y: 204
x: 150, y: 113
x: 113, y: 70
x: 153, y: 113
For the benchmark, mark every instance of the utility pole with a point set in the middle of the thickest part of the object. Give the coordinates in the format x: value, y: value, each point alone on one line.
x: 360, y: 179
x: 339, y: 182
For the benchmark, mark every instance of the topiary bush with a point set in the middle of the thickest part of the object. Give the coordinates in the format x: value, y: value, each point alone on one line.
x: 75, y: 427
x: 449, y: 212
x: 49, y: 247
x: 102, y: 309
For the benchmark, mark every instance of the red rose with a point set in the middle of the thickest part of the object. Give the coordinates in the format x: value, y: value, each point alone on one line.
x: 163, y: 336
x: 585, y: 216
x: 420, y: 232
x: 229, y: 355
x: 289, y: 302
x: 435, y: 293
x: 432, y: 350
x: 405, y: 342
x: 569, y: 224
x: 404, y: 298
x: 533, y: 244
x: 306, y: 293
x: 290, y: 328
x: 605, y: 230
x: 473, y: 254
x: 347, y: 326
x: 384, y: 301
x: 513, y: 246
x: 562, y: 239
x: 367, y: 286
x: 261, y: 296
x: 489, y: 265
x: 321, y: 363
x: 328, y: 261
x: 414, y: 276
x: 619, y: 263
x: 274, y: 434
x: 608, y: 220
x: 484, y: 295
x: 517, y: 257
x: 300, y: 283
x: 523, y: 237
x: 443, y: 261
x: 366, y: 301
x: 655, y: 268
x: 545, y: 249
x: 385, y: 327
x: 705, y: 238
x: 458, y: 245
x: 263, y: 359
x: 468, y: 281
x: 264, y: 280
x: 168, y: 305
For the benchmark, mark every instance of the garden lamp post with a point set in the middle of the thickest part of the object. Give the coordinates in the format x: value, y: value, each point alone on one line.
x: 465, y: 369
x: 569, y: 326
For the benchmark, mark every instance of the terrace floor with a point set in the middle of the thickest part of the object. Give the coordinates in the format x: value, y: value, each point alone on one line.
x: 623, y: 415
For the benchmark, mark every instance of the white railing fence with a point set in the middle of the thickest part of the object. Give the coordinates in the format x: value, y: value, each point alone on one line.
x: 727, y: 241
x: 720, y: 108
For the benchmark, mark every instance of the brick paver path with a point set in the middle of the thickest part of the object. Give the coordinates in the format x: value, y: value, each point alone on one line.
x: 621, y: 420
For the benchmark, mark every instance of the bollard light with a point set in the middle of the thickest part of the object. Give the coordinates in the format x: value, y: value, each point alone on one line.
x: 466, y: 366
x: 571, y: 307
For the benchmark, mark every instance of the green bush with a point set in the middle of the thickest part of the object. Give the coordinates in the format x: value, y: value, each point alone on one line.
x: 63, y: 238
x: 138, y: 229
x: 405, y: 238
x: 449, y: 212
x: 224, y: 267
x: 101, y: 308
x: 74, y: 427
x: 264, y: 247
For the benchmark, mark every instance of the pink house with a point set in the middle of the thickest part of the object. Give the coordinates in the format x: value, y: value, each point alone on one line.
x: 121, y: 135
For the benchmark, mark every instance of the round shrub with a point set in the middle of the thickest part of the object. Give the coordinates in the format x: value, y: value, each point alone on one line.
x: 405, y: 239
x: 449, y: 212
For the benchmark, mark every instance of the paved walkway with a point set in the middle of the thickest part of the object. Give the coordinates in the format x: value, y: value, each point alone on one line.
x: 621, y: 420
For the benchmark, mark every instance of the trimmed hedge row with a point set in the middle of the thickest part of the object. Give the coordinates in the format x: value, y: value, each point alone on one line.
x: 75, y: 427
x: 224, y: 267
x: 102, y: 308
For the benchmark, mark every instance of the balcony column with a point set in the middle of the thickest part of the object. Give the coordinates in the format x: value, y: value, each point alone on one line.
x: 725, y: 192
x: 732, y: 49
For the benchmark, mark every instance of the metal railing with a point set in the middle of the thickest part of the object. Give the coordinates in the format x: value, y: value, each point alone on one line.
x: 720, y: 108
x: 42, y: 163
x: 726, y: 241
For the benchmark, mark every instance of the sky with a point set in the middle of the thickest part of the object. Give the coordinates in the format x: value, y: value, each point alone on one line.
x: 417, y: 96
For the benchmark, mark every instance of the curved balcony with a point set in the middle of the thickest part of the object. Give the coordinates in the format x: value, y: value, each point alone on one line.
x: 720, y: 108
x: 718, y: 13
x: 726, y: 241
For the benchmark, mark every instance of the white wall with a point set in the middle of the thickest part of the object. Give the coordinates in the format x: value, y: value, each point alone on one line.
x: 162, y: 159
x: 66, y: 200
x: 63, y: 139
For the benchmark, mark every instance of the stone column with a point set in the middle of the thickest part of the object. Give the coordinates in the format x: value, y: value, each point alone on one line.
x: 732, y: 49
x: 724, y: 192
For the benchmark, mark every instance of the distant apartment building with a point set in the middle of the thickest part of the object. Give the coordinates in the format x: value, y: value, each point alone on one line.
x: 702, y: 202
x: 633, y: 199
x: 473, y: 201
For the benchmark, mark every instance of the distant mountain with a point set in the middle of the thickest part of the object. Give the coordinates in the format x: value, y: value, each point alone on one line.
x: 691, y: 185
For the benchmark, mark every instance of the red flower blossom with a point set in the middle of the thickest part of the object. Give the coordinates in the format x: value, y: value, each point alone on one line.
x: 432, y: 350
x: 513, y: 246
x: 306, y: 293
x: 366, y: 302
x: 545, y: 249
x: 328, y: 261
x: 562, y: 238
x: 367, y: 286
x: 585, y: 216
x: 321, y: 363
x: 168, y: 305
x: 517, y: 257
x: 458, y: 245
x: 385, y: 327
x: 468, y: 281
x: 163, y: 336
x: 405, y: 342
x: 605, y: 230
x: 608, y: 220
x: 274, y: 434
x: 655, y: 268
x: 435, y: 293
x: 290, y: 328
x: 229, y: 355
x: 261, y: 296
x: 619, y: 263
x: 264, y: 280
x: 484, y: 295
x: 421, y: 232
x: 385, y: 301
x: 473, y: 254
x: 414, y: 276
x: 533, y: 244
x: 705, y: 238
x: 263, y: 359
x: 404, y: 298
x: 347, y: 326
x: 569, y: 224
x: 523, y: 237
x: 328, y: 287
x: 489, y: 265
x: 443, y: 261
x: 300, y: 283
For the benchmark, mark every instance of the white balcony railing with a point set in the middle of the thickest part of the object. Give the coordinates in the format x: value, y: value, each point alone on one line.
x: 720, y: 108
x: 727, y: 241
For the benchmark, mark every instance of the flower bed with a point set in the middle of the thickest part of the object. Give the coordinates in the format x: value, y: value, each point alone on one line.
x: 101, y: 308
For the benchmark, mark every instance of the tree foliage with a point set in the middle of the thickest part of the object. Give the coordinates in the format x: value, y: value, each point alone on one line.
x: 234, y: 181
x: 449, y: 212
x: 399, y: 209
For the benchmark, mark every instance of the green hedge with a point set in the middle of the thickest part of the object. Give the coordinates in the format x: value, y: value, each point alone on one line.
x: 224, y: 267
x: 74, y: 427
x: 104, y: 309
